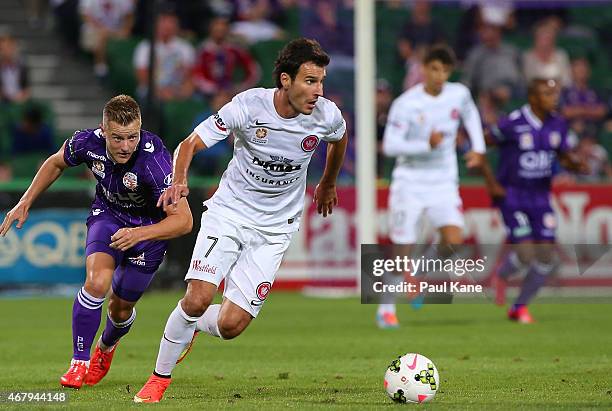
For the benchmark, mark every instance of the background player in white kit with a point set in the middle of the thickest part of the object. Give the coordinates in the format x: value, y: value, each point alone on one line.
x: 248, y: 223
x: 421, y: 132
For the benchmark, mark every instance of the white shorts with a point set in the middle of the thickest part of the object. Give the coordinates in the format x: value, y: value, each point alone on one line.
x: 90, y: 37
x: 247, y: 258
x: 442, y: 206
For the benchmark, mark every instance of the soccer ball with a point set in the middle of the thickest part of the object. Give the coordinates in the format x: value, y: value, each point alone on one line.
x: 412, y: 378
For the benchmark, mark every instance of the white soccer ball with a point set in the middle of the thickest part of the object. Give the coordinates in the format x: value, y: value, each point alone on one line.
x: 412, y: 378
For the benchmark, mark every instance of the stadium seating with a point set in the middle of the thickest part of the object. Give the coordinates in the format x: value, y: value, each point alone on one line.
x: 389, y: 24
x: 121, y: 75
x: 23, y: 165
x: 265, y: 52
x: 449, y: 16
x: 26, y: 165
x: 605, y: 139
x: 292, y: 23
x: 5, y: 138
x: 591, y: 16
x: 178, y: 118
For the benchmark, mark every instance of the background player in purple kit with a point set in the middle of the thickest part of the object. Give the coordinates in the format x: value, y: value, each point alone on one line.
x: 530, y: 141
x: 126, y: 231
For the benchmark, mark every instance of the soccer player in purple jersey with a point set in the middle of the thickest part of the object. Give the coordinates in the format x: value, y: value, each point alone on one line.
x: 530, y: 140
x: 126, y: 231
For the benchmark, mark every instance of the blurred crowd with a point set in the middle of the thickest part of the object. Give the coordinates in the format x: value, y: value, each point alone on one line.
x: 500, y: 49
x: 206, y: 51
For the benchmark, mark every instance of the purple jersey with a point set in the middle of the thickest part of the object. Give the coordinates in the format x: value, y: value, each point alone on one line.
x: 528, y: 149
x: 128, y: 191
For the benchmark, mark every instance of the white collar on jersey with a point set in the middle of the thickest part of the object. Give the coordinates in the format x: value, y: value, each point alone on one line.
x: 532, y: 119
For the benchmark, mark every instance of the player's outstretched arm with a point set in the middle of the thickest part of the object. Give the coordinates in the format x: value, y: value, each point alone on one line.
x: 51, y: 169
x: 178, y: 222
x: 325, y: 194
x: 182, y: 159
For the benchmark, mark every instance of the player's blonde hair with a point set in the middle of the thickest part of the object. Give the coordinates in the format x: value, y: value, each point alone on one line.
x: 121, y: 109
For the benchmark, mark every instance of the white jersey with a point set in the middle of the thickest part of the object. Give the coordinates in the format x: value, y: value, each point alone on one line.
x: 412, y: 118
x: 110, y: 13
x: 265, y: 181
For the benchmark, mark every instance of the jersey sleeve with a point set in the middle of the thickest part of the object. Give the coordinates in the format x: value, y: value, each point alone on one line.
x: 472, y: 122
x: 232, y: 116
x: 337, y: 126
x: 75, y: 149
x: 501, y: 132
x: 159, y: 170
x: 398, y: 138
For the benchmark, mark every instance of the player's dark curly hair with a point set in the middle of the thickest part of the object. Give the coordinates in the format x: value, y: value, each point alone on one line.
x: 441, y: 53
x: 121, y: 109
x: 296, y: 53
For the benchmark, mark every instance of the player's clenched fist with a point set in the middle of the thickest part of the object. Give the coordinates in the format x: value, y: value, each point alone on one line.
x: 125, y: 238
x: 19, y: 213
x: 173, y: 194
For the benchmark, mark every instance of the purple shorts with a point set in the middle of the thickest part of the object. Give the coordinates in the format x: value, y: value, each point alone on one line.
x: 134, y: 268
x: 528, y: 215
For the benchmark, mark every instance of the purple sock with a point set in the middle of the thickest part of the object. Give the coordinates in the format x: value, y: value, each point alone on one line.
x: 536, y: 277
x: 86, y: 313
x: 509, y: 266
x: 114, y: 331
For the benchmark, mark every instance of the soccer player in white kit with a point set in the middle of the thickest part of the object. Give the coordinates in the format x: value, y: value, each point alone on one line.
x: 421, y: 133
x: 248, y: 223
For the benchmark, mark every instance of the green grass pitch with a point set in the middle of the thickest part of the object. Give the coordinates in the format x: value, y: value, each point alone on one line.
x: 304, y: 353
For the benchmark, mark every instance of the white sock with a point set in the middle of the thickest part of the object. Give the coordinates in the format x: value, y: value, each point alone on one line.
x: 431, y: 252
x: 177, y: 335
x: 386, y: 308
x: 209, y: 322
x: 391, y: 279
x: 73, y: 361
x: 104, y: 347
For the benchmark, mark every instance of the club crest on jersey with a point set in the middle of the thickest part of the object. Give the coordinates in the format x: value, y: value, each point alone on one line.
x: 309, y: 143
x: 168, y: 179
x: 219, y: 122
x: 130, y: 180
x: 554, y: 139
x: 455, y: 114
x: 526, y: 141
x: 98, y: 168
x: 261, y: 136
